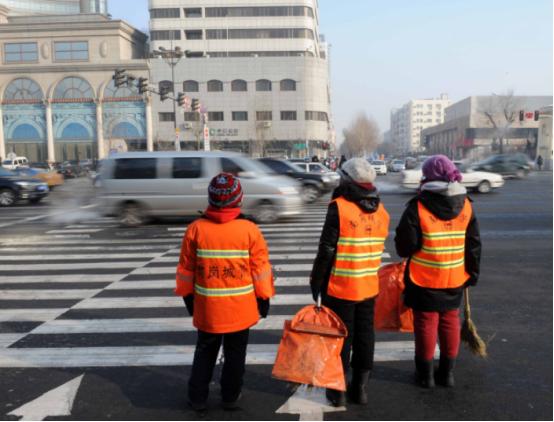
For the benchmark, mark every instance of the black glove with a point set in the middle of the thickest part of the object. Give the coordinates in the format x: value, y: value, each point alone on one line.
x: 263, y: 307
x: 189, y: 303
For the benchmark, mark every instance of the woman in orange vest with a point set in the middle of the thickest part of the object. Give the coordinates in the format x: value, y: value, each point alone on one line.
x: 439, y: 235
x: 225, y: 279
x: 345, y: 269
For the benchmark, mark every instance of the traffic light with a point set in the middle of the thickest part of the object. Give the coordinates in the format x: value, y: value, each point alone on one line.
x: 521, y: 115
x: 195, y: 105
x: 537, y: 115
x: 119, y: 78
x: 164, y: 93
x: 130, y: 80
x: 181, y: 99
x: 142, y: 85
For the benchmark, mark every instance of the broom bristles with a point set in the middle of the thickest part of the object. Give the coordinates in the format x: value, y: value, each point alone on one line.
x: 472, y: 339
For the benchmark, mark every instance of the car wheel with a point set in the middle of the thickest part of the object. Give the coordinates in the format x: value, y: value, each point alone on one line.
x: 265, y: 213
x: 7, y: 197
x: 131, y: 215
x: 484, y: 187
x: 310, y: 194
x: 35, y: 200
x: 520, y: 174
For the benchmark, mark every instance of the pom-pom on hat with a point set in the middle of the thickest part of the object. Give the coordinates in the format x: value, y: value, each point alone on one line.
x: 359, y: 170
x: 225, y: 191
x: 440, y: 168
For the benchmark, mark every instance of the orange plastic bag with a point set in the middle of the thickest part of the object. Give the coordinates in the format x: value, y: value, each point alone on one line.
x: 309, y: 352
x: 390, y: 312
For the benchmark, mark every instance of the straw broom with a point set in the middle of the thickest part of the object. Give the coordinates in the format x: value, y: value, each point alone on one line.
x: 469, y: 332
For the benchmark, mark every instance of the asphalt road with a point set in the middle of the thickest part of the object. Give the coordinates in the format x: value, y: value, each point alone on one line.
x: 64, y: 270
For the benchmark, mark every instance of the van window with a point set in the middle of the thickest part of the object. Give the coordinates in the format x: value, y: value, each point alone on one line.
x: 187, y: 168
x: 135, y: 168
x: 230, y: 166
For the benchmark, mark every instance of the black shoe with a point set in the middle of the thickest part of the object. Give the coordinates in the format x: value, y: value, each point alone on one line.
x: 424, y: 373
x: 357, y: 389
x: 197, y: 407
x: 445, y: 374
x: 336, y: 398
x: 231, y: 405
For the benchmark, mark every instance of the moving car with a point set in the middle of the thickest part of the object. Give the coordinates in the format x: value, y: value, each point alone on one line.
x: 15, y: 162
x: 313, y: 185
x: 319, y: 168
x: 480, y: 181
x: 51, y: 177
x: 397, y: 165
x: 508, y: 165
x: 379, y: 166
x: 14, y: 188
x: 139, y: 185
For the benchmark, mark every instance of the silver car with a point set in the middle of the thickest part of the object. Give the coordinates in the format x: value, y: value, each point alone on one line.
x: 138, y: 185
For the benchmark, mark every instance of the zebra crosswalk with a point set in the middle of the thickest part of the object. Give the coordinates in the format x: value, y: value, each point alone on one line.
x: 94, y: 295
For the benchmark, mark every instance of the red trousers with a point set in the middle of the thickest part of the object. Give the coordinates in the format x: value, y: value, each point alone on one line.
x: 427, y: 325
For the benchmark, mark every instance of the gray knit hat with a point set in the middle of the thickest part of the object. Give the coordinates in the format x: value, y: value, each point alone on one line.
x: 359, y: 170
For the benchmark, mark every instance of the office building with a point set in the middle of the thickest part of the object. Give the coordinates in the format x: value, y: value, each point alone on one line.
x: 54, y: 7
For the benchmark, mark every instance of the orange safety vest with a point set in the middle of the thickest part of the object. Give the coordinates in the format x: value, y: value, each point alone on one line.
x: 440, y: 263
x: 226, y: 267
x: 361, y: 243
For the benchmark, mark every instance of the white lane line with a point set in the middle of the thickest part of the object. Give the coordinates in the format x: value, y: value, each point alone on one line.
x: 309, y: 235
x: 47, y: 294
x: 169, y: 283
x: 73, y: 357
x: 6, y: 340
x: 71, y: 236
x: 42, y: 216
x: 84, y: 248
x: 77, y: 266
x: 173, y: 302
x: 175, y: 258
x: 139, y: 325
x: 42, y: 240
x: 87, y: 226
x: 74, y: 231
x: 69, y: 257
x: 62, y: 278
x: 30, y: 314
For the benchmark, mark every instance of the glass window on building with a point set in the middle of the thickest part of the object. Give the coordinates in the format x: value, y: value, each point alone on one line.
x: 192, y: 116
x: 244, y: 12
x: 195, y: 34
x: 240, y: 116
x: 165, y: 13
x: 263, y: 85
x: 23, y: 89
x: 216, y: 34
x: 166, y: 117
x: 288, y: 115
x: 264, y: 115
x: 70, y: 51
x: 215, y: 116
x: 20, y: 52
x: 165, y: 85
x: 73, y: 88
x: 135, y: 168
x: 239, y: 85
x: 165, y: 35
x: 187, y: 168
x: 288, y: 85
x: 193, y: 12
x: 190, y: 86
x: 320, y: 116
x: 215, y: 86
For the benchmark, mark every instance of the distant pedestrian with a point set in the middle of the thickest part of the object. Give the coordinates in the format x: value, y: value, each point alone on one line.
x: 540, y: 162
x: 225, y: 279
x: 439, y: 235
x: 315, y: 159
x: 342, y: 161
x: 345, y: 269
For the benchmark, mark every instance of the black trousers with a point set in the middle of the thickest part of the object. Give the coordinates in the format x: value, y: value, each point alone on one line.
x: 358, y: 318
x: 205, y: 357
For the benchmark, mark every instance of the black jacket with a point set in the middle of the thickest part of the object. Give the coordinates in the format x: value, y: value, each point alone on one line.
x: 408, y: 240
x: 368, y: 201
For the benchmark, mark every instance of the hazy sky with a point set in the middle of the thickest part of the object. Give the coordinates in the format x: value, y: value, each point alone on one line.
x: 385, y: 53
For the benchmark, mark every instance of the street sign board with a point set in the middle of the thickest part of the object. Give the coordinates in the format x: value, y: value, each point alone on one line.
x: 206, y: 138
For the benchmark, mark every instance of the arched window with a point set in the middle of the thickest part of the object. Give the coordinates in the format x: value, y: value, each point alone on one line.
x: 125, y: 130
x: 239, y: 85
x: 75, y: 131
x: 263, y: 85
x: 25, y: 132
x: 190, y: 86
x: 122, y: 92
x: 72, y: 88
x: 168, y: 85
x: 23, y: 89
x: 215, y: 86
x: 288, y: 85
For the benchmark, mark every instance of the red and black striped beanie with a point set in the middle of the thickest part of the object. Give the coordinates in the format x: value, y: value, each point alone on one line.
x: 225, y: 191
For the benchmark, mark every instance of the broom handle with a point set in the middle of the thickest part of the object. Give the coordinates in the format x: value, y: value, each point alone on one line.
x: 467, y: 309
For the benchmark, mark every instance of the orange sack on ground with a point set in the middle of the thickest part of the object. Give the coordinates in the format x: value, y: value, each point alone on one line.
x: 309, y: 352
x: 390, y: 312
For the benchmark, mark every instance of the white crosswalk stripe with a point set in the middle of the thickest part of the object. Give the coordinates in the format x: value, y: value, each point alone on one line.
x: 102, y: 296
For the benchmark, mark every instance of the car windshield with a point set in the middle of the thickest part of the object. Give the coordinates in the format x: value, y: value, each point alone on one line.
x: 318, y: 168
x: 378, y: 163
x: 398, y: 162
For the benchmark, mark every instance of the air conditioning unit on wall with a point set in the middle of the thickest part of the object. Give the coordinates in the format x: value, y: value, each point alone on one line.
x: 266, y: 125
x: 187, y: 125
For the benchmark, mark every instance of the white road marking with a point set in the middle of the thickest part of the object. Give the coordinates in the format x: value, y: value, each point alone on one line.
x: 48, y: 241
x: 56, y: 402
x: 42, y: 216
x: 74, y: 357
x: 47, y: 294
x: 78, y: 266
x: 62, y: 278
x: 84, y: 248
x: 75, y: 231
x: 6, y: 340
x: 310, y: 403
x: 69, y: 257
x: 30, y: 314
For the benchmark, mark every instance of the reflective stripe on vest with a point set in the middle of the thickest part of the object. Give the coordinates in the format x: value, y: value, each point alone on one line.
x: 220, y: 253
x: 358, y: 258
x: 225, y: 292
x: 440, y: 263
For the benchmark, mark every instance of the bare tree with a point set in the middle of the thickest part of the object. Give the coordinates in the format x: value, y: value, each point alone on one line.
x: 501, y: 112
x: 361, y: 138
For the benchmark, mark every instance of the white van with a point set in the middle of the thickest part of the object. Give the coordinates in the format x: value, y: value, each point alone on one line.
x: 15, y: 162
x: 138, y: 185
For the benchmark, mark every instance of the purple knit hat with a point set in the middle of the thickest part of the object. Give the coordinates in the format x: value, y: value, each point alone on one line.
x: 440, y: 168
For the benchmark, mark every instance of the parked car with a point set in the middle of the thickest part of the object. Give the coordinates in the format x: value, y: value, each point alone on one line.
x: 51, y: 177
x: 379, y: 166
x: 42, y: 165
x: 313, y: 185
x: 14, y: 188
x: 480, y: 181
x: 321, y: 169
x: 139, y: 185
x: 397, y: 166
x: 13, y: 163
x: 508, y: 165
